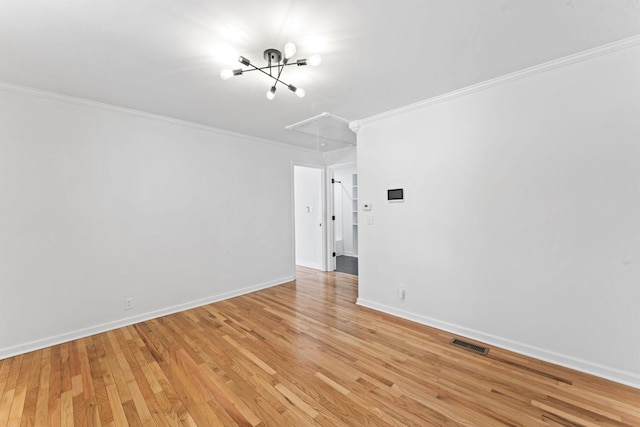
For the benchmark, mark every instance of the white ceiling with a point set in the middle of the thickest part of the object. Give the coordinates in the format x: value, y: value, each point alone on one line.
x: 164, y: 56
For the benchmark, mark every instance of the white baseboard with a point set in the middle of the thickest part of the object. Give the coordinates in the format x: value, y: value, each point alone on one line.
x: 104, y: 327
x: 620, y: 376
x: 309, y: 265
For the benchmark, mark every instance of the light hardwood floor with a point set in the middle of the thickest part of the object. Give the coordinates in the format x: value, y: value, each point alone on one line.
x: 299, y: 354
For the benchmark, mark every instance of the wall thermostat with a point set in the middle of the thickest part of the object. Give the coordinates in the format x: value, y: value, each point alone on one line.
x: 395, y: 195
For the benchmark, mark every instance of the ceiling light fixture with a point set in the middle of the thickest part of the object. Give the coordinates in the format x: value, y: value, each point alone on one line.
x: 276, y: 62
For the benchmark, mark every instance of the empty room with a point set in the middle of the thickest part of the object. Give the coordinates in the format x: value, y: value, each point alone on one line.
x: 320, y: 213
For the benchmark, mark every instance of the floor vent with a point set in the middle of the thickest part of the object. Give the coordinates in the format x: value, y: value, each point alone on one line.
x: 468, y: 346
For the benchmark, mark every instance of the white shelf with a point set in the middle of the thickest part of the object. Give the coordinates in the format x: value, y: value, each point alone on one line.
x: 354, y: 207
x: 354, y: 198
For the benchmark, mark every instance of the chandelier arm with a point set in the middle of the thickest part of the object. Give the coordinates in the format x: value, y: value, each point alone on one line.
x: 270, y: 67
x: 277, y: 79
x: 280, y: 68
x: 246, y: 70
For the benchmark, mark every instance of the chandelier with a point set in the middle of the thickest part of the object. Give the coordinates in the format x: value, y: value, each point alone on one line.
x: 276, y: 62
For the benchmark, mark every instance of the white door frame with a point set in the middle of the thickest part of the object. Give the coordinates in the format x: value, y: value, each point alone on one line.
x: 323, y: 201
x: 331, y: 224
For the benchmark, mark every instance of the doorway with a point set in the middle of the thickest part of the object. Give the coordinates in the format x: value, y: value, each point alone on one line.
x: 344, y: 185
x: 308, y: 216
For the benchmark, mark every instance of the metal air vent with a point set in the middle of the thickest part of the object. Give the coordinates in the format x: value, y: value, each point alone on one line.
x: 468, y: 346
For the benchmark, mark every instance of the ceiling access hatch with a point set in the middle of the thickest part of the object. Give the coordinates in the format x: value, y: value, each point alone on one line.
x: 331, y: 132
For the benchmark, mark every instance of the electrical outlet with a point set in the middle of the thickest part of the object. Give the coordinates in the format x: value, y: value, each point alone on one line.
x: 402, y: 291
x: 128, y: 303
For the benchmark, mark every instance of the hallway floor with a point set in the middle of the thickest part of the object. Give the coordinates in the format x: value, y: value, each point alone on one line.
x: 347, y: 264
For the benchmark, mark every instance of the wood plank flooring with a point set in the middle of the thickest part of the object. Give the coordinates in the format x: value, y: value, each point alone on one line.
x: 299, y: 354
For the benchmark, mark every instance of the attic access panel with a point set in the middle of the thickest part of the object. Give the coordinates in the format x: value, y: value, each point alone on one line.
x: 326, y: 128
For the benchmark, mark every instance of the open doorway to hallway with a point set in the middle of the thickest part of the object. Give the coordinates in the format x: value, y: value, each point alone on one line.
x: 345, y: 211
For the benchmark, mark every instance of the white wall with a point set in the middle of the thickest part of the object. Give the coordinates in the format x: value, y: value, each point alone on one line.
x: 98, y: 205
x: 309, y: 213
x: 346, y: 155
x: 521, y: 225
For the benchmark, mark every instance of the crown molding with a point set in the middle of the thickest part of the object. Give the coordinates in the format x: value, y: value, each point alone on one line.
x: 507, y: 78
x: 142, y: 114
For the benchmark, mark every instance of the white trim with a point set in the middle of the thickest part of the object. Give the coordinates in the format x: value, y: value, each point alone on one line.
x: 104, y: 327
x: 138, y: 113
x: 624, y: 377
x: 507, y: 78
x: 330, y: 230
x: 309, y: 265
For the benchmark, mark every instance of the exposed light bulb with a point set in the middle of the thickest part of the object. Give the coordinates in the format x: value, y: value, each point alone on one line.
x: 289, y: 50
x: 227, y: 74
x: 271, y: 93
x: 244, y: 61
x: 314, y: 60
x: 298, y: 91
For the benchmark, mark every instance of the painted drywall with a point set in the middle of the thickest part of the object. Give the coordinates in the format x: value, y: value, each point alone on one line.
x: 343, y: 208
x: 521, y: 220
x: 98, y: 205
x: 309, y: 223
x: 345, y: 155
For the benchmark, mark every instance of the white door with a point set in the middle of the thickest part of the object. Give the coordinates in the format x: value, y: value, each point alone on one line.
x: 308, y: 218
